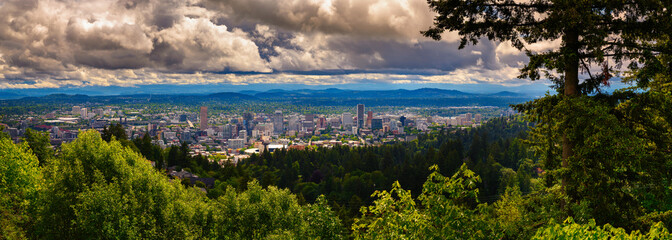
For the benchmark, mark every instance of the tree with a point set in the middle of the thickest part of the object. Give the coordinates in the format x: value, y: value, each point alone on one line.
x: 40, y: 145
x: 445, y: 213
x: 3, y: 134
x: 96, y: 189
x: 591, y: 33
x: 20, y: 180
x: 572, y: 230
x: 116, y: 130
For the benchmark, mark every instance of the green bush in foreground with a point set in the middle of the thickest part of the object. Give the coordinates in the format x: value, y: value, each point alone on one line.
x: 572, y: 230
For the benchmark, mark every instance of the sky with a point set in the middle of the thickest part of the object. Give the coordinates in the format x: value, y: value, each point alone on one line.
x: 132, y: 43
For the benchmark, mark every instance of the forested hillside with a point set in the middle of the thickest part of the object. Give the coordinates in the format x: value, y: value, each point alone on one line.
x: 481, y: 183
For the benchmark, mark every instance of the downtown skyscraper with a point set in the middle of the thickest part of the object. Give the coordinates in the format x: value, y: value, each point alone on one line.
x: 204, y: 118
x: 360, y: 115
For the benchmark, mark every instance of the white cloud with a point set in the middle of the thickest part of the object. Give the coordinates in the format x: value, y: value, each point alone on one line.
x: 208, y: 47
x: 51, y: 43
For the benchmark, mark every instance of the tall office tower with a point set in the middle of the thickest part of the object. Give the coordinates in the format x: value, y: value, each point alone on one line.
x: 277, y: 122
x: 242, y: 134
x: 204, y: 118
x: 294, y: 124
x: 376, y: 124
x: 309, y: 117
x: 346, y: 120
x: 360, y: 115
x: 321, y: 122
x: 369, y: 116
x: 247, y: 121
x: 402, y: 119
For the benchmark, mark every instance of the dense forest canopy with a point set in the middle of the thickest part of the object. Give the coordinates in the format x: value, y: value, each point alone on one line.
x: 472, y: 183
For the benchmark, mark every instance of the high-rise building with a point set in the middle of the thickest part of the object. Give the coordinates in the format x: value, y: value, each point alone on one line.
x: 242, y: 134
x: 309, y: 117
x: 227, y: 131
x: 204, y: 118
x: 294, y: 124
x: 277, y: 122
x: 308, y: 124
x: 247, y: 121
x: 321, y: 122
x: 84, y: 113
x: 346, y: 119
x: 402, y: 119
x: 478, y: 117
x: 369, y: 116
x: 360, y: 115
x: 376, y: 123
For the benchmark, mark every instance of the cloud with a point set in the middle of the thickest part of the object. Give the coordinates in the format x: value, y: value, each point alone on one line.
x: 200, y: 45
x: 381, y: 18
x: 52, y: 37
x: 51, y: 43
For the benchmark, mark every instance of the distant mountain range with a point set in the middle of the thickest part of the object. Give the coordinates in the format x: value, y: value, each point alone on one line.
x: 325, y: 97
x: 11, y: 95
x: 422, y: 93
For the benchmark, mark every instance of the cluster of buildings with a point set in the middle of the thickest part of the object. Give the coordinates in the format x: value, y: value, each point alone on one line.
x: 233, y: 136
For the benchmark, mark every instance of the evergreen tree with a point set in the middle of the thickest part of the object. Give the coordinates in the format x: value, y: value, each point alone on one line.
x: 598, y: 151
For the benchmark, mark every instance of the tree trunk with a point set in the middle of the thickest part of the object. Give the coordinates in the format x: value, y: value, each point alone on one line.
x: 571, y: 40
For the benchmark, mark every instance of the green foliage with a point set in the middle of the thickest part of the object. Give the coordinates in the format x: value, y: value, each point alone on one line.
x: 391, y: 217
x: 446, y: 211
x: 150, y: 151
x: 20, y: 181
x: 100, y: 190
x: 114, y: 130
x: 617, y: 151
x: 616, y: 145
x: 448, y: 202
x: 321, y: 221
x: 572, y: 230
x: 258, y: 213
x: 591, y: 32
x: 97, y: 189
x: 3, y: 134
x: 40, y: 145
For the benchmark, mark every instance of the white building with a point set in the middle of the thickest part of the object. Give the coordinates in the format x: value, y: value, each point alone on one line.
x: 346, y: 119
x: 76, y: 110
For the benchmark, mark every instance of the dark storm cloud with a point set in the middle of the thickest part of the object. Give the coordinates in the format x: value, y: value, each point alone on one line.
x: 122, y: 42
x: 362, y: 17
x: 105, y: 59
x: 442, y: 56
x: 65, y: 36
